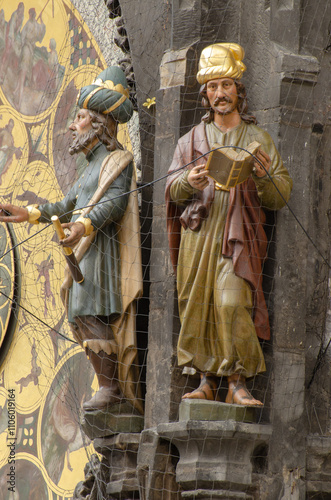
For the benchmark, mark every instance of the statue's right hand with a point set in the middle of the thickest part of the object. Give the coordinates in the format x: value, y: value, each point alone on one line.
x: 12, y: 213
x: 197, y: 177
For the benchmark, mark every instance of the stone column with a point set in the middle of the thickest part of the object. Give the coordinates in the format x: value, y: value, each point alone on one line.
x: 297, y: 75
x: 164, y: 381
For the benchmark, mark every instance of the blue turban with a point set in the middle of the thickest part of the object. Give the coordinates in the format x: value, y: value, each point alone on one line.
x: 108, y: 95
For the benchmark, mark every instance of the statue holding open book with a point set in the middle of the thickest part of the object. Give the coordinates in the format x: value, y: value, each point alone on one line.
x: 217, y: 242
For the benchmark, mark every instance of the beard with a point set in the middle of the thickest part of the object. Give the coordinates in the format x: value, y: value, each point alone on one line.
x: 81, y: 142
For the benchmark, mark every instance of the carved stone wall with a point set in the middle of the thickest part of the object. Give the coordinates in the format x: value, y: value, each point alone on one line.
x: 287, y: 46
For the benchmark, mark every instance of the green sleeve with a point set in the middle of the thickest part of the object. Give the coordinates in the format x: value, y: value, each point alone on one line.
x: 273, y: 192
x: 112, y: 205
x: 181, y: 191
x: 63, y: 209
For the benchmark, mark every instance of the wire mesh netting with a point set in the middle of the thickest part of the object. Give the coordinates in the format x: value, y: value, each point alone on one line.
x: 184, y: 146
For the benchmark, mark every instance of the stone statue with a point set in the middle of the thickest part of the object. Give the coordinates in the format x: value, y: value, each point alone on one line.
x: 216, y: 236
x: 106, y: 240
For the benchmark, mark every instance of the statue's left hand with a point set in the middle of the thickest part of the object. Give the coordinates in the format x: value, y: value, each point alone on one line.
x: 77, y: 231
x: 265, y: 159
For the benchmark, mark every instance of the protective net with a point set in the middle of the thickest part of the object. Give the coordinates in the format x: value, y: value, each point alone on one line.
x: 185, y: 353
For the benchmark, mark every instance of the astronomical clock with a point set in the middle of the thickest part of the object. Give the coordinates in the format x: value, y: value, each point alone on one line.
x: 47, y: 53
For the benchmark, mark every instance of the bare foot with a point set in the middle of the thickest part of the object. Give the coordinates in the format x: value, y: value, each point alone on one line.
x: 207, y: 389
x: 238, y: 393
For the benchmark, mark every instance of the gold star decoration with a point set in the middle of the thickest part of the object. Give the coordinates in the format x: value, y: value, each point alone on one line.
x: 149, y: 102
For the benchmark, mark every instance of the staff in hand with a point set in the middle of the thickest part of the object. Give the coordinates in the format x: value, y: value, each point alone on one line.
x: 15, y: 214
x: 67, y: 251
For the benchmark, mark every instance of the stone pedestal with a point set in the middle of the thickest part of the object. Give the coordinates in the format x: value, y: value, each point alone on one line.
x: 199, y: 409
x: 116, y: 435
x: 215, y: 456
x: 117, y: 419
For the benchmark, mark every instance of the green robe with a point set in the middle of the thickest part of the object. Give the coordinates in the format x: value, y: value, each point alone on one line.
x: 215, y: 305
x: 100, y: 292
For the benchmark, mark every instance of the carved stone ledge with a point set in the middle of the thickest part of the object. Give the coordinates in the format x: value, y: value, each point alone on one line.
x: 120, y: 453
x: 118, y: 418
x: 199, y: 409
x: 296, y: 68
x: 217, y: 494
x: 122, y: 42
x: 178, y: 68
x: 215, y: 457
x: 156, y: 467
x: 318, y: 473
x: 94, y: 484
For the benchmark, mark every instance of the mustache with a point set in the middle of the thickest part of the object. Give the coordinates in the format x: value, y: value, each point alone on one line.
x: 218, y: 100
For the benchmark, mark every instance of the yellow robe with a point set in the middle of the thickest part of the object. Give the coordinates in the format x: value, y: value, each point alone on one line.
x: 215, y: 306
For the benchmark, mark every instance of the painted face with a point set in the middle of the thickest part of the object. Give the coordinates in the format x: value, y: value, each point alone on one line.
x: 81, y: 124
x: 83, y: 134
x: 222, y: 95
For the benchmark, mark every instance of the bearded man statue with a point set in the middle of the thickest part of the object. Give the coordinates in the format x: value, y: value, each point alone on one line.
x: 101, y: 213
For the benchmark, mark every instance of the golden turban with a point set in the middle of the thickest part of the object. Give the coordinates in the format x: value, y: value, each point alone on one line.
x: 221, y: 60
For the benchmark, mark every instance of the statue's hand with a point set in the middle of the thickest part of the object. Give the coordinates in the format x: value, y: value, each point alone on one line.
x: 264, y: 158
x: 197, y: 177
x: 12, y: 213
x: 77, y: 231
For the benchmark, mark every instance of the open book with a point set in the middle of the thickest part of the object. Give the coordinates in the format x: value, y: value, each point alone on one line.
x: 229, y: 167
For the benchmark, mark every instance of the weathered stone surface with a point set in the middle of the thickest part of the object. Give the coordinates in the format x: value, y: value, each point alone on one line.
x: 118, y: 418
x: 215, y: 455
x: 163, y: 397
x: 216, y: 495
x: 124, y: 489
x: 198, y: 409
x: 296, y: 74
x: 94, y: 484
x: 319, y: 465
x: 284, y: 15
x: 173, y: 68
x: 120, y: 454
x: 287, y: 47
x: 157, y: 460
